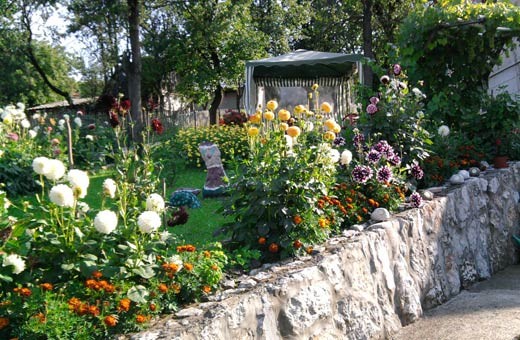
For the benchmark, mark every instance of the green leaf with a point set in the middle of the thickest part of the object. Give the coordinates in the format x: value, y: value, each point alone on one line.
x: 146, y: 272
x: 138, y: 294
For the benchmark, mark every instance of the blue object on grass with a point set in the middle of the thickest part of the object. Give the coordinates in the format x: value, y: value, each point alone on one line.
x: 184, y: 198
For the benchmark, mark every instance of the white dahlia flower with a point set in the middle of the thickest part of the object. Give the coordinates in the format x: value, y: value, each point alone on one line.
x: 62, y: 195
x: 105, y: 221
x: 148, y: 222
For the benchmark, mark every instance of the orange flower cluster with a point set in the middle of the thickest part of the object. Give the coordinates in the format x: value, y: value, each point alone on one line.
x: 206, y: 289
x: 4, y: 322
x: 141, y: 318
x: 188, y: 248
x: 163, y: 288
x: 82, y: 308
x: 41, y: 317
x: 110, y: 320
x: 188, y: 266
x: 100, y: 285
x: 124, y: 305
x: 170, y: 268
x: 46, y: 287
x: 25, y: 292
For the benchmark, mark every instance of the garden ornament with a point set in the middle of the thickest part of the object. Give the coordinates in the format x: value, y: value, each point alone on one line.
x: 181, y: 198
x: 214, y: 185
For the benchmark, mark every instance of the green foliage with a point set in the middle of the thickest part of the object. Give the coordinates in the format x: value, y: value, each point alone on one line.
x: 456, y: 75
x: 231, y: 140
x: 20, y: 82
x: 274, y: 201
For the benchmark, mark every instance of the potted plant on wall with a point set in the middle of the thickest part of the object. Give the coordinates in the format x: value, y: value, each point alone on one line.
x: 501, y: 118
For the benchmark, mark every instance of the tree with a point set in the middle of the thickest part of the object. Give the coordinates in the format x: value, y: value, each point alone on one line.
x: 210, y: 45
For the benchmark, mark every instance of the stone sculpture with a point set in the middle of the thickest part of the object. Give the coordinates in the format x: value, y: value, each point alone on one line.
x: 214, y: 185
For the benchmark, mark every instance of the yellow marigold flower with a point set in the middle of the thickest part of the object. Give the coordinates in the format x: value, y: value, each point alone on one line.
x: 284, y: 115
x: 284, y: 126
x: 315, y: 87
x: 268, y: 115
x: 253, y: 131
x: 323, y: 222
x: 319, y: 116
x: 309, y: 113
x: 330, y: 123
x: 299, y: 109
x: 256, y: 118
x: 329, y: 135
x: 272, y: 105
x: 294, y: 131
x: 326, y: 107
x: 336, y: 128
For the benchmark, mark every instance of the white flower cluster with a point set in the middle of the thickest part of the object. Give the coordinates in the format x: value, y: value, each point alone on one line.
x: 105, y: 221
x: 62, y: 195
x: 109, y: 188
x: 346, y: 157
x: 148, y: 222
x: 155, y: 202
x: 52, y: 169
x: 79, y: 182
x: 443, y: 131
x: 14, y: 114
x: 16, y: 261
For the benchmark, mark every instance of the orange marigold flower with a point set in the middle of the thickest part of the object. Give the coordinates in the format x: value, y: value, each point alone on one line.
x: 297, y: 219
x: 4, y: 322
x: 176, y: 288
x: 110, y: 320
x: 82, y: 309
x: 46, y: 286
x: 97, y: 274
x: 153, y: 307
x: 92, y: 284
x: 74, y: 303
x: 190, y: 248
x: 163, y: 288
x: 188, y: 266
x: 140, y: 318
x: 297, y: 244
x: 25, y: 292
x: 93, y: 310
x: 359, y: 218
x: 365, y: 210
x: 214, y: 267
x: 206, y: 289
x: 41, y: 317
x: 261, y: 240
x: 309, y: 250
x: 124, y: 305
x: 207, y: 254
x: 273, y: 248
x: 371, y: 202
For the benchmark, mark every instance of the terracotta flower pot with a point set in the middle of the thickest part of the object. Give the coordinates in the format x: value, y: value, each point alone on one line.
x: 500, y: 162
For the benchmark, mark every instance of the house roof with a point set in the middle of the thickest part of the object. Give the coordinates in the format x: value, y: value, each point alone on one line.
x: 63, y: 103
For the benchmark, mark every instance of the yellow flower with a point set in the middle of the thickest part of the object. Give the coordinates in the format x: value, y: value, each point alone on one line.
x: 284, y: 126
x: 330, y: 123
x: 329, y: 135
x: 326, y: 107
x: 255, y: 119
x: 336, y: 128
x: 268, y: 115
x: 294, y: 131
x: 272, y: 105
x: 253, y: 131
x: 284, y: 115
x: 299, y: 109
x: 315, y: 87
x: 319, y: 117
x: 309, y: 113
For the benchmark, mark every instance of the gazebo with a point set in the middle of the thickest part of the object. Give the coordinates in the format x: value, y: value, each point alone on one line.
x: 289, y: 77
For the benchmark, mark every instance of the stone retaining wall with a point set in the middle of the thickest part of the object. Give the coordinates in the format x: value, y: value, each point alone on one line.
x: 368, y: 284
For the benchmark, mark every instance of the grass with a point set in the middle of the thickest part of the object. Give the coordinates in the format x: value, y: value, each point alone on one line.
x: 203, y: 221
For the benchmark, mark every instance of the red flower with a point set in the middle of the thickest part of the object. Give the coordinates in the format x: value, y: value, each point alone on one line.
x: 125, y: 105
x: 157, y: 126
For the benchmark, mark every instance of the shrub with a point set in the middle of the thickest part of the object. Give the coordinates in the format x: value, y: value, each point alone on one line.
x: 231, y: 140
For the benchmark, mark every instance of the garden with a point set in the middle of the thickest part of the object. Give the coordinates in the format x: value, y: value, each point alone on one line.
x: 96, y: 241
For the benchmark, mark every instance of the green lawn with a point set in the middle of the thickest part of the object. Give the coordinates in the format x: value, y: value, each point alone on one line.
x: 203, y: 221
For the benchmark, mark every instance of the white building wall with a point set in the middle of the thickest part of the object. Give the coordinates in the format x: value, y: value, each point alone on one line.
x: 507, y: 75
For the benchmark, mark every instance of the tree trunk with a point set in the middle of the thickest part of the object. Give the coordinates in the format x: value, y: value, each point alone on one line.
x: 368, y: 74
x: 217, y: 98
x: 134, y: 70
